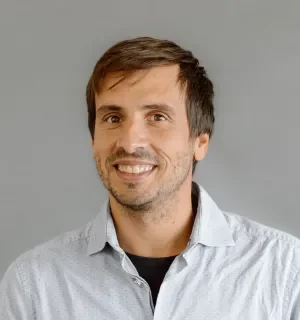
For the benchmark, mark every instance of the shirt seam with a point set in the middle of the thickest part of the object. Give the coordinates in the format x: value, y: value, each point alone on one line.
x: 268, y: 234
x: 82, y: 236
x: 75, y: 238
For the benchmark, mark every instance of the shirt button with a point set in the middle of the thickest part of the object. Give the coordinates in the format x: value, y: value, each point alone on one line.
x: 137, y: 281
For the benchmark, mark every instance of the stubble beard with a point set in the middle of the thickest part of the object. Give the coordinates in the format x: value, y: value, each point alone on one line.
x: 164, y: 197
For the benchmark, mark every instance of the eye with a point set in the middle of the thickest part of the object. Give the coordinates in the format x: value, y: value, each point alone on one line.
x: 112, y: 119
x: 157, y: 116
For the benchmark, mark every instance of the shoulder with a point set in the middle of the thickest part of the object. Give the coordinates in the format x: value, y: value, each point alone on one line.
x: 44, y: 263
x: 273, y: 254
x: 59, y: 249
x: 268, y: 239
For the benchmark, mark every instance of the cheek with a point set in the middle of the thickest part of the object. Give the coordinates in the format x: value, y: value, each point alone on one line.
x: 176, y: 152
x: 102, y: 143
x: 105, y: 142
x: 100, y: 156
x: 174, y: 143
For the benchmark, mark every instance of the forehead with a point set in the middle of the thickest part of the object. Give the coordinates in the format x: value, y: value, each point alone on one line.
x: 158, y: 83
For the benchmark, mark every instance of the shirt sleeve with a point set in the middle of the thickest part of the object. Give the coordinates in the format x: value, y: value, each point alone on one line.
x: 14, y: 303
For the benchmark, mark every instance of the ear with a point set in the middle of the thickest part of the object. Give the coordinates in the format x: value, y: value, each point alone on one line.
x: 201, y: 146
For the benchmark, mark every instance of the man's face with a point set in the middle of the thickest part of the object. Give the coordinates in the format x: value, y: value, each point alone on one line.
x: 142, y: 120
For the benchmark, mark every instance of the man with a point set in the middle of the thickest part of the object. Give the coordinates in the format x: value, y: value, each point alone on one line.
x: 160, y: 247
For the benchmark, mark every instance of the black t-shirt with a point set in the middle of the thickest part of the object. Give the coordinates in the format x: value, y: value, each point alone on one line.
x: 153, y: 270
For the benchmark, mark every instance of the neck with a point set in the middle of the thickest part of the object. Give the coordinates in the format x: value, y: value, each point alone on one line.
x: 160, y: 232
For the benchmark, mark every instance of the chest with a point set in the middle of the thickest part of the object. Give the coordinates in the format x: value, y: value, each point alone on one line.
x: 205, y: 289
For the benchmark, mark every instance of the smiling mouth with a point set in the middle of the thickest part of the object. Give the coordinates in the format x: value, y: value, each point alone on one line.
x: 134, y: 172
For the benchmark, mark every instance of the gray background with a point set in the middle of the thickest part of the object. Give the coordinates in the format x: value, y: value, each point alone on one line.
x: 251, y: 50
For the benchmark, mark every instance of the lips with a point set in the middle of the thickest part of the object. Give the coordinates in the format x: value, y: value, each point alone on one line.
x: 133, y: 162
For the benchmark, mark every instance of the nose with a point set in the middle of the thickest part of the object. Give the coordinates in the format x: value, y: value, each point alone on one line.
x: 133, y: 135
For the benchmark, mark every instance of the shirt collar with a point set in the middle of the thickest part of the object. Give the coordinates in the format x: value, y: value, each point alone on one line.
x: 210, y: 226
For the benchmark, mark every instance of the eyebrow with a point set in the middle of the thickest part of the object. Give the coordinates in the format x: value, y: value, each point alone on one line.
x: 163, y: 107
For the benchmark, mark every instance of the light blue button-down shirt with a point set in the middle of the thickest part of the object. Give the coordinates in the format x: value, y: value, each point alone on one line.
x: 233, y: 268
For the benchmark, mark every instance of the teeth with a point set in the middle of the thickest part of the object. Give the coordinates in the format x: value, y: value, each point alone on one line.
x: 134, y: 169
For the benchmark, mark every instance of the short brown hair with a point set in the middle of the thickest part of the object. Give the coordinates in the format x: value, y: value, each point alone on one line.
x: 144, y: 53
